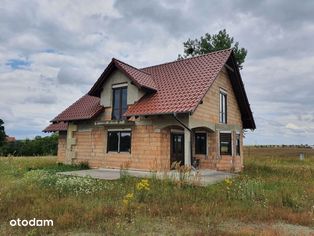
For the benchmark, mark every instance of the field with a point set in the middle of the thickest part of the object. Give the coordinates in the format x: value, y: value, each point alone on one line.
x: 274, y: 195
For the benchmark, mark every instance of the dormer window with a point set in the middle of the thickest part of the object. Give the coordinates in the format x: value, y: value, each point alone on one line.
x: 119, y: 102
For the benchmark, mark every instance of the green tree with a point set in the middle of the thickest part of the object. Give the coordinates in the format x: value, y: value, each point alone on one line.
x: 2, y: 133
x: 211, y: 43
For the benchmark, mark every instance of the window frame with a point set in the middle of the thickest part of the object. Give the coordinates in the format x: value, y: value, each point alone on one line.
x: 238, y: 144
x: 195, y: 144
x: 120, y: 106
x: 119, y: 140
x: 223, y: 108
x: 229, y: 144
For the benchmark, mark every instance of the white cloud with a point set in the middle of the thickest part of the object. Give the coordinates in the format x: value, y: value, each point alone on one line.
x: 292, y: 126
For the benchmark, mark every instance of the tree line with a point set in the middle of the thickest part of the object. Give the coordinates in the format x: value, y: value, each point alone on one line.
x: 39, y: 146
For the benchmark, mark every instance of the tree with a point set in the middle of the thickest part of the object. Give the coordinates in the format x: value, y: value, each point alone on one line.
x: 2, y: 133
x: 211, y: 43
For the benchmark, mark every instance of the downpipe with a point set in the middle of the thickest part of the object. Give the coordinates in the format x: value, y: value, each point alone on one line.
x: 187, y: 128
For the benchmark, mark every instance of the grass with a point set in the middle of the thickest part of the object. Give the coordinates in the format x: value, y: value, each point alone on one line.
x: 271, y: 191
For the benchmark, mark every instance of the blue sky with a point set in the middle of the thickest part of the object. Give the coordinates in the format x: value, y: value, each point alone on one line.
x: 16, y: 64
x: 51, y: 53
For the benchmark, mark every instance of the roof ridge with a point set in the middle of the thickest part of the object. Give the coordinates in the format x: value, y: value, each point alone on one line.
x: 115, y: 59
x: 186, y: 59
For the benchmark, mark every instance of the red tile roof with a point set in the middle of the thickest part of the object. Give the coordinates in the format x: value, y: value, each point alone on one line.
x: 85, y: 108
x: 181, y: 84
x: 61, y: 126
x: 141, y: 78
x: 174, y: 87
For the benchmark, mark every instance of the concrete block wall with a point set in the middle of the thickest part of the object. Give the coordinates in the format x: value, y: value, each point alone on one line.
x: 61, y: 147
x: 149, y: 149
x: 209, y: 109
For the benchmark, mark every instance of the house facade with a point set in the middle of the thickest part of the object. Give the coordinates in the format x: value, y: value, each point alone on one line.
x: 192, y: 111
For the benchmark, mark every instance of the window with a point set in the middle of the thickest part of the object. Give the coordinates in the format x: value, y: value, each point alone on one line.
x: 119, y: 102
x: 200, y: 143
x: 223, y: 107
x: 225, y: 144
x: 238, y: 144
x: 119, y: 141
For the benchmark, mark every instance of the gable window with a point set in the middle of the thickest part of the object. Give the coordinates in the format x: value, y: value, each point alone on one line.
x: 200, y: 143
x: 119, y: 102
x: 223, y: 107
x: 238, y: 144
x: 119, y: 141
x: 225, y: 144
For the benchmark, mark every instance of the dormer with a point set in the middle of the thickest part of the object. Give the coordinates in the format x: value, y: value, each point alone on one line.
x: 120, y: 86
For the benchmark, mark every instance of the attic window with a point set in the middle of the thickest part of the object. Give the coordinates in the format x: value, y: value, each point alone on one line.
x: 119, y: 102
x: 223, y: 107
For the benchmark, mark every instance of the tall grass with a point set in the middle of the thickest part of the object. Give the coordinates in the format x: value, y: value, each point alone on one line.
x: 269, y: 190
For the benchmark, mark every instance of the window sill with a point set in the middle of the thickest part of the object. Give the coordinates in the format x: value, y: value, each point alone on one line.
x: 113, y: 152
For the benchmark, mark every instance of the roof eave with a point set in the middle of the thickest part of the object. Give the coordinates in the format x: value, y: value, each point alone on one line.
x: 78, y: 119
x: 249, y: 118
x: 157, y: 113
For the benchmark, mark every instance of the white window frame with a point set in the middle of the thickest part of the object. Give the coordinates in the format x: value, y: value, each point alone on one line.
x: 223, y: 106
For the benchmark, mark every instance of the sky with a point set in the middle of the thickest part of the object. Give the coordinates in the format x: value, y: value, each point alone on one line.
x: 51, y: 53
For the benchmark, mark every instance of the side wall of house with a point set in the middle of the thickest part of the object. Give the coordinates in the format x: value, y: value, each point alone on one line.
x: 208, y: 112
x: 61, y: 146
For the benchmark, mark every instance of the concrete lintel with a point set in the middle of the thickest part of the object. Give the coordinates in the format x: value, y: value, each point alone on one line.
x: 115, y: 123
x: 226, y: 127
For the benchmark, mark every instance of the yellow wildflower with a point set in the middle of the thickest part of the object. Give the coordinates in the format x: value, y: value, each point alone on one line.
x: 228, y: 181
x: 143, y: 185
x: 128, y: 198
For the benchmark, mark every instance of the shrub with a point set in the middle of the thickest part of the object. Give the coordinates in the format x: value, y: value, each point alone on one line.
x: 39, y: 146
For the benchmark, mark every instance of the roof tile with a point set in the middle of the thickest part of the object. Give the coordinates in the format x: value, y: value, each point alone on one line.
x: 140, y: 77
x: 181, y: 84
x: 85, y: 108
x: 60, y: 126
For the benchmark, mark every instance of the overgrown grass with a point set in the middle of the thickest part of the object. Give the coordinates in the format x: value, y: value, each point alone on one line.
x: 269, y: 190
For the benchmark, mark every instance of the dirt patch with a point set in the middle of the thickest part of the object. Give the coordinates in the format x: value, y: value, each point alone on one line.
x: 280, y: 228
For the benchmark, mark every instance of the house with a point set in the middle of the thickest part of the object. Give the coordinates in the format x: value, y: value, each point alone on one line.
x: 191, y: 111
x: 10, y: 139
